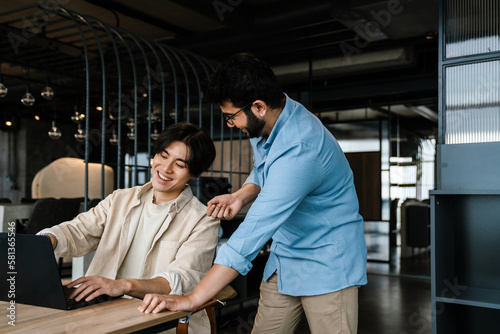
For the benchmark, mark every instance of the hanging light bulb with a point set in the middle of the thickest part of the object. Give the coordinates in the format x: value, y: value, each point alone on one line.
x: 131, y: 134
x: 76, y: 116
x: 47, y: 93
x: 130, y: 123
x: 114, y: 139
x: 80, y: 134
x: 153, y: 118
x: 54, y: 132
x: 28, y: 100
x: 3, y: 89
x: 155, y: 135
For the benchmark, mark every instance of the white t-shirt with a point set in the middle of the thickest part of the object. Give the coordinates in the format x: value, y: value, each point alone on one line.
x: 152, y: 218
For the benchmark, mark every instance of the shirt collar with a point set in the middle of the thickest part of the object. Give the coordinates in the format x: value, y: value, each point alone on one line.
x: 282, y: 118
x: 184, y: 197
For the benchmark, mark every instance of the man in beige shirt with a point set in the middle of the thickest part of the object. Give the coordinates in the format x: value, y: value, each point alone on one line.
x: 155, y: 238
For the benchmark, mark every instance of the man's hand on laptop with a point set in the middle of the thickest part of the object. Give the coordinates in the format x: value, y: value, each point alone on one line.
x: 93, y: 286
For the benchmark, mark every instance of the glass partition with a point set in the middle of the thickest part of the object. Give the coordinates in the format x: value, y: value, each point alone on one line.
x: 472, y: 27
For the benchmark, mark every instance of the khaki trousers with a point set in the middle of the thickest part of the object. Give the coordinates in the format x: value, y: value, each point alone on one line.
x: 332, y: 313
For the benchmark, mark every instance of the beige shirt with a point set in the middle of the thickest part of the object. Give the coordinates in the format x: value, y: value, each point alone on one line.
x: 182, y: 250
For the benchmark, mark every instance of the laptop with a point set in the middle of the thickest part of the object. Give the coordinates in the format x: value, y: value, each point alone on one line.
x: 29, y: 274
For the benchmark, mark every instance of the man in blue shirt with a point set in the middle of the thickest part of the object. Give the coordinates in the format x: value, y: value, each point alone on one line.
x: 304, y: 199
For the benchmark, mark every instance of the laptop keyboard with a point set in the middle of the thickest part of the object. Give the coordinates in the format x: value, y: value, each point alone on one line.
x: 73, y: 304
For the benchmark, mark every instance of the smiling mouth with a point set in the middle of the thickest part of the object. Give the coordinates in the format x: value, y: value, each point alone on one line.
x: 164, y: 178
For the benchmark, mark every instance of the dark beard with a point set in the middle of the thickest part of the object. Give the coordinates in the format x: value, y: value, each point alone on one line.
x: 254, y: 125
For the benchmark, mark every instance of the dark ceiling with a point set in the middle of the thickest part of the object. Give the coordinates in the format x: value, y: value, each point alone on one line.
x: 346, y: 60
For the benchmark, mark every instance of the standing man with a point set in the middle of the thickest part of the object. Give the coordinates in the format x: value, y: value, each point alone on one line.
x: 304, y: 199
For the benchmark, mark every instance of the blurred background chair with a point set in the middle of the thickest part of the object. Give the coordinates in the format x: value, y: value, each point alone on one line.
x: 28, y: 200
x: 48, y: 212
x: 415, y: 227
x: 65, y: 178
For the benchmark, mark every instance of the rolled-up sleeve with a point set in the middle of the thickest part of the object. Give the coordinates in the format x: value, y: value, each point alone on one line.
x: 229, y: 257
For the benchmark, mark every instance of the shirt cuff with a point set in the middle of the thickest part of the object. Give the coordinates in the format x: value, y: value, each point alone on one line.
x: 61, y: 242
x: 228, y: 257
x: 174, y: 280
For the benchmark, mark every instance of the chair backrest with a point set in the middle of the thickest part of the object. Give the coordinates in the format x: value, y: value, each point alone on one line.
x: 48, y: 212
x: 93, y: 202
x: 28, y: 200
x: 418, y: 225
x: 65, y: 178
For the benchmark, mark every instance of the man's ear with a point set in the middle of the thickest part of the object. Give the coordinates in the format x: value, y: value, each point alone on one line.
x: 260, y: 108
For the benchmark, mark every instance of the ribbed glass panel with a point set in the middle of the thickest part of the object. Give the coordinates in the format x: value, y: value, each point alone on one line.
x: 472, y: 112
x: 472, y: 27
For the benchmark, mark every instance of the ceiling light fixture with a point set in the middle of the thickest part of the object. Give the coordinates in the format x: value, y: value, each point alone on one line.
x: 28, y: 100
x: 47, y: 93
x: 114, y: 138
x: 155, y: 135
x: 3, y: 89
x: 54, y: 132
x: 80, y: 134
x: 131, y: 134
x: 76, y: 116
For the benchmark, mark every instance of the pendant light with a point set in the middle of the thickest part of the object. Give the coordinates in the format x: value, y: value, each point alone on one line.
x: 155, y: 135
x: 28, y: 100
x: 114, y: 138
x: 3, y: 89
x: 76, y: 116
x: 131, y: 134
x: 54, y: 132
x: 80, y: 134
x: 47, y: 91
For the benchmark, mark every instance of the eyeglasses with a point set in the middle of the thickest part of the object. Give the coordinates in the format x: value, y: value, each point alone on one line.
x: 229, y: 117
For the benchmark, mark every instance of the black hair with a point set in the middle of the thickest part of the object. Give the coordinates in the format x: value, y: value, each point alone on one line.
x: 242, y: 79
x: 201, y: 149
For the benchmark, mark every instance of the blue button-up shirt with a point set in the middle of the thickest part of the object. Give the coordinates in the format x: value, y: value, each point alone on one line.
x: 307, y: 205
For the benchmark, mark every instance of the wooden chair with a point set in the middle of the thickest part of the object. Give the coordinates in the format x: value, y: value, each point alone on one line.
x: 182, y: 327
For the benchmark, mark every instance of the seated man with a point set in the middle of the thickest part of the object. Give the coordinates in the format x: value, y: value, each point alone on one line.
x: 155, y: 238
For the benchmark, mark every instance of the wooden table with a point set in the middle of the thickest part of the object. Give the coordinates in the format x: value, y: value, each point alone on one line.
x: 116, y: 316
